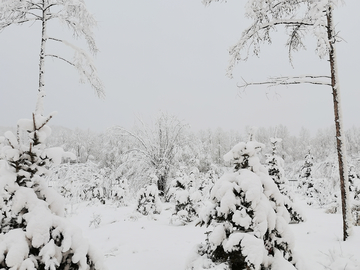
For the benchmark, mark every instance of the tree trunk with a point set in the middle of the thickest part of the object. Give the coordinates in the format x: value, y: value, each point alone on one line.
x: 41, y: 91
x: 161, y: 184
x: 340, y: 138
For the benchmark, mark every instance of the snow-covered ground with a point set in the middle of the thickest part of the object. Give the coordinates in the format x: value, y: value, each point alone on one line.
x: 134, y: 242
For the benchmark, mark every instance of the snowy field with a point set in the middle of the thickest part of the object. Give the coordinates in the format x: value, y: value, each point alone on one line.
x: 134, y: 242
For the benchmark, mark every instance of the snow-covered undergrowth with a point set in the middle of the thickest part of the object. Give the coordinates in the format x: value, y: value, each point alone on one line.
x: 134, y: 242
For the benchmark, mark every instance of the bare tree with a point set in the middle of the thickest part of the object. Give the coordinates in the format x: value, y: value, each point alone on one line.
x: 157, y: 145
x: 299, y: 17
x: 75, y: 16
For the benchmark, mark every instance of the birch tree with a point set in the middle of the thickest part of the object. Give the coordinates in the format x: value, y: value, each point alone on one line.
x: 75, y: 16
x: 298, y: 17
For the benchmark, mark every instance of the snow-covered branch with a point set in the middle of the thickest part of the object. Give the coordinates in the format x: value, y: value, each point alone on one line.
x: 84, y: 65
x: 140, y: 140
x: 17, y: 12
x: 139, y: 151
x: 296, y: 17
x: 61, y: 58
x: 291, y: 80
x: 75, y: 15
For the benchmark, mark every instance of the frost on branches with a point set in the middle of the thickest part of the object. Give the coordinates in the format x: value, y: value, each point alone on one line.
x: 275, y: 165
x: 249, y: 221
x: 33, y: 232
x: 187, y: 199
x: 148, y: 200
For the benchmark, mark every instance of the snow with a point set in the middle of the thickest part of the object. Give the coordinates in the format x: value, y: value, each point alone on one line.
x: 218, y: 235
x: 141, y: 243
x: 51, y: 254
x: 241, y: 218
x: 56, y: 154
x: 253, y: 249
x: 147, y: 244
x: 14, y: 245
x: 11, y: 138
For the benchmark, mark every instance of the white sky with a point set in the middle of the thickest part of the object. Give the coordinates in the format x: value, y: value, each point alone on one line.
x: 172, y: 55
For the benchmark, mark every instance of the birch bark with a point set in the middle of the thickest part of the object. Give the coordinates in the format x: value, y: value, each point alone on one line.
x: 39, y: 109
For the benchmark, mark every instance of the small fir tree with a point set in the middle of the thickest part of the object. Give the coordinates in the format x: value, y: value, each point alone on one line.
x: 306, y: 181
x: 187, y: 199
x: 354, y: 181
x: 275, y: 166
x: 120, y: 191
x: 249, y: 220
x: 94, y: 189
x: 207, y: 182
x: 148, y: 200
x: 33, y: 232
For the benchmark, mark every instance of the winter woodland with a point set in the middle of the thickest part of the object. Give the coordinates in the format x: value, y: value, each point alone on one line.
x: 163, y: 196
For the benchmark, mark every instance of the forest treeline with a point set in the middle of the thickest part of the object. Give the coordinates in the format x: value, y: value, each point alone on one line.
x: 168, y: 145
x: 206, y: 147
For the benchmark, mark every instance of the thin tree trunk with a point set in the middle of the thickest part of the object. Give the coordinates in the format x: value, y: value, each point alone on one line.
x: 41, y: 91
x: 340, y: 138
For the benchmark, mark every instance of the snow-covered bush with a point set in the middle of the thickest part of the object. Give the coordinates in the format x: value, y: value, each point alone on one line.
x: 79, y: 181
x: 275, y: 165
x: 249, y: 221
x: 148, y: 200
x: 33, y: 232
x: 93, y: 190
x: 120, y: 191
x: 187, y: 199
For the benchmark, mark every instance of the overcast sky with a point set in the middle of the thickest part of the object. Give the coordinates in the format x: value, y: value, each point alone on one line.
x: 172, y: 55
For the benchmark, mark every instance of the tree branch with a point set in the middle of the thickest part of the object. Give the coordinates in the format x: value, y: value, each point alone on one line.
x: 8, y: 23
x: 134, y: 136
x: 61, y: 58
x: 290, y: 80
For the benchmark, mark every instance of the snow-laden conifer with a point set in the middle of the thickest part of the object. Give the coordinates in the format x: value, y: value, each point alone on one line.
x: 249, y: 223
x: 186, y: 197
x: 120, y: 191
x: 148, y: 200
x: 317, y: 190
x: 207, y: 181
x: 275, y: 165
x: 306, y: 181
x: 33, y: 232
